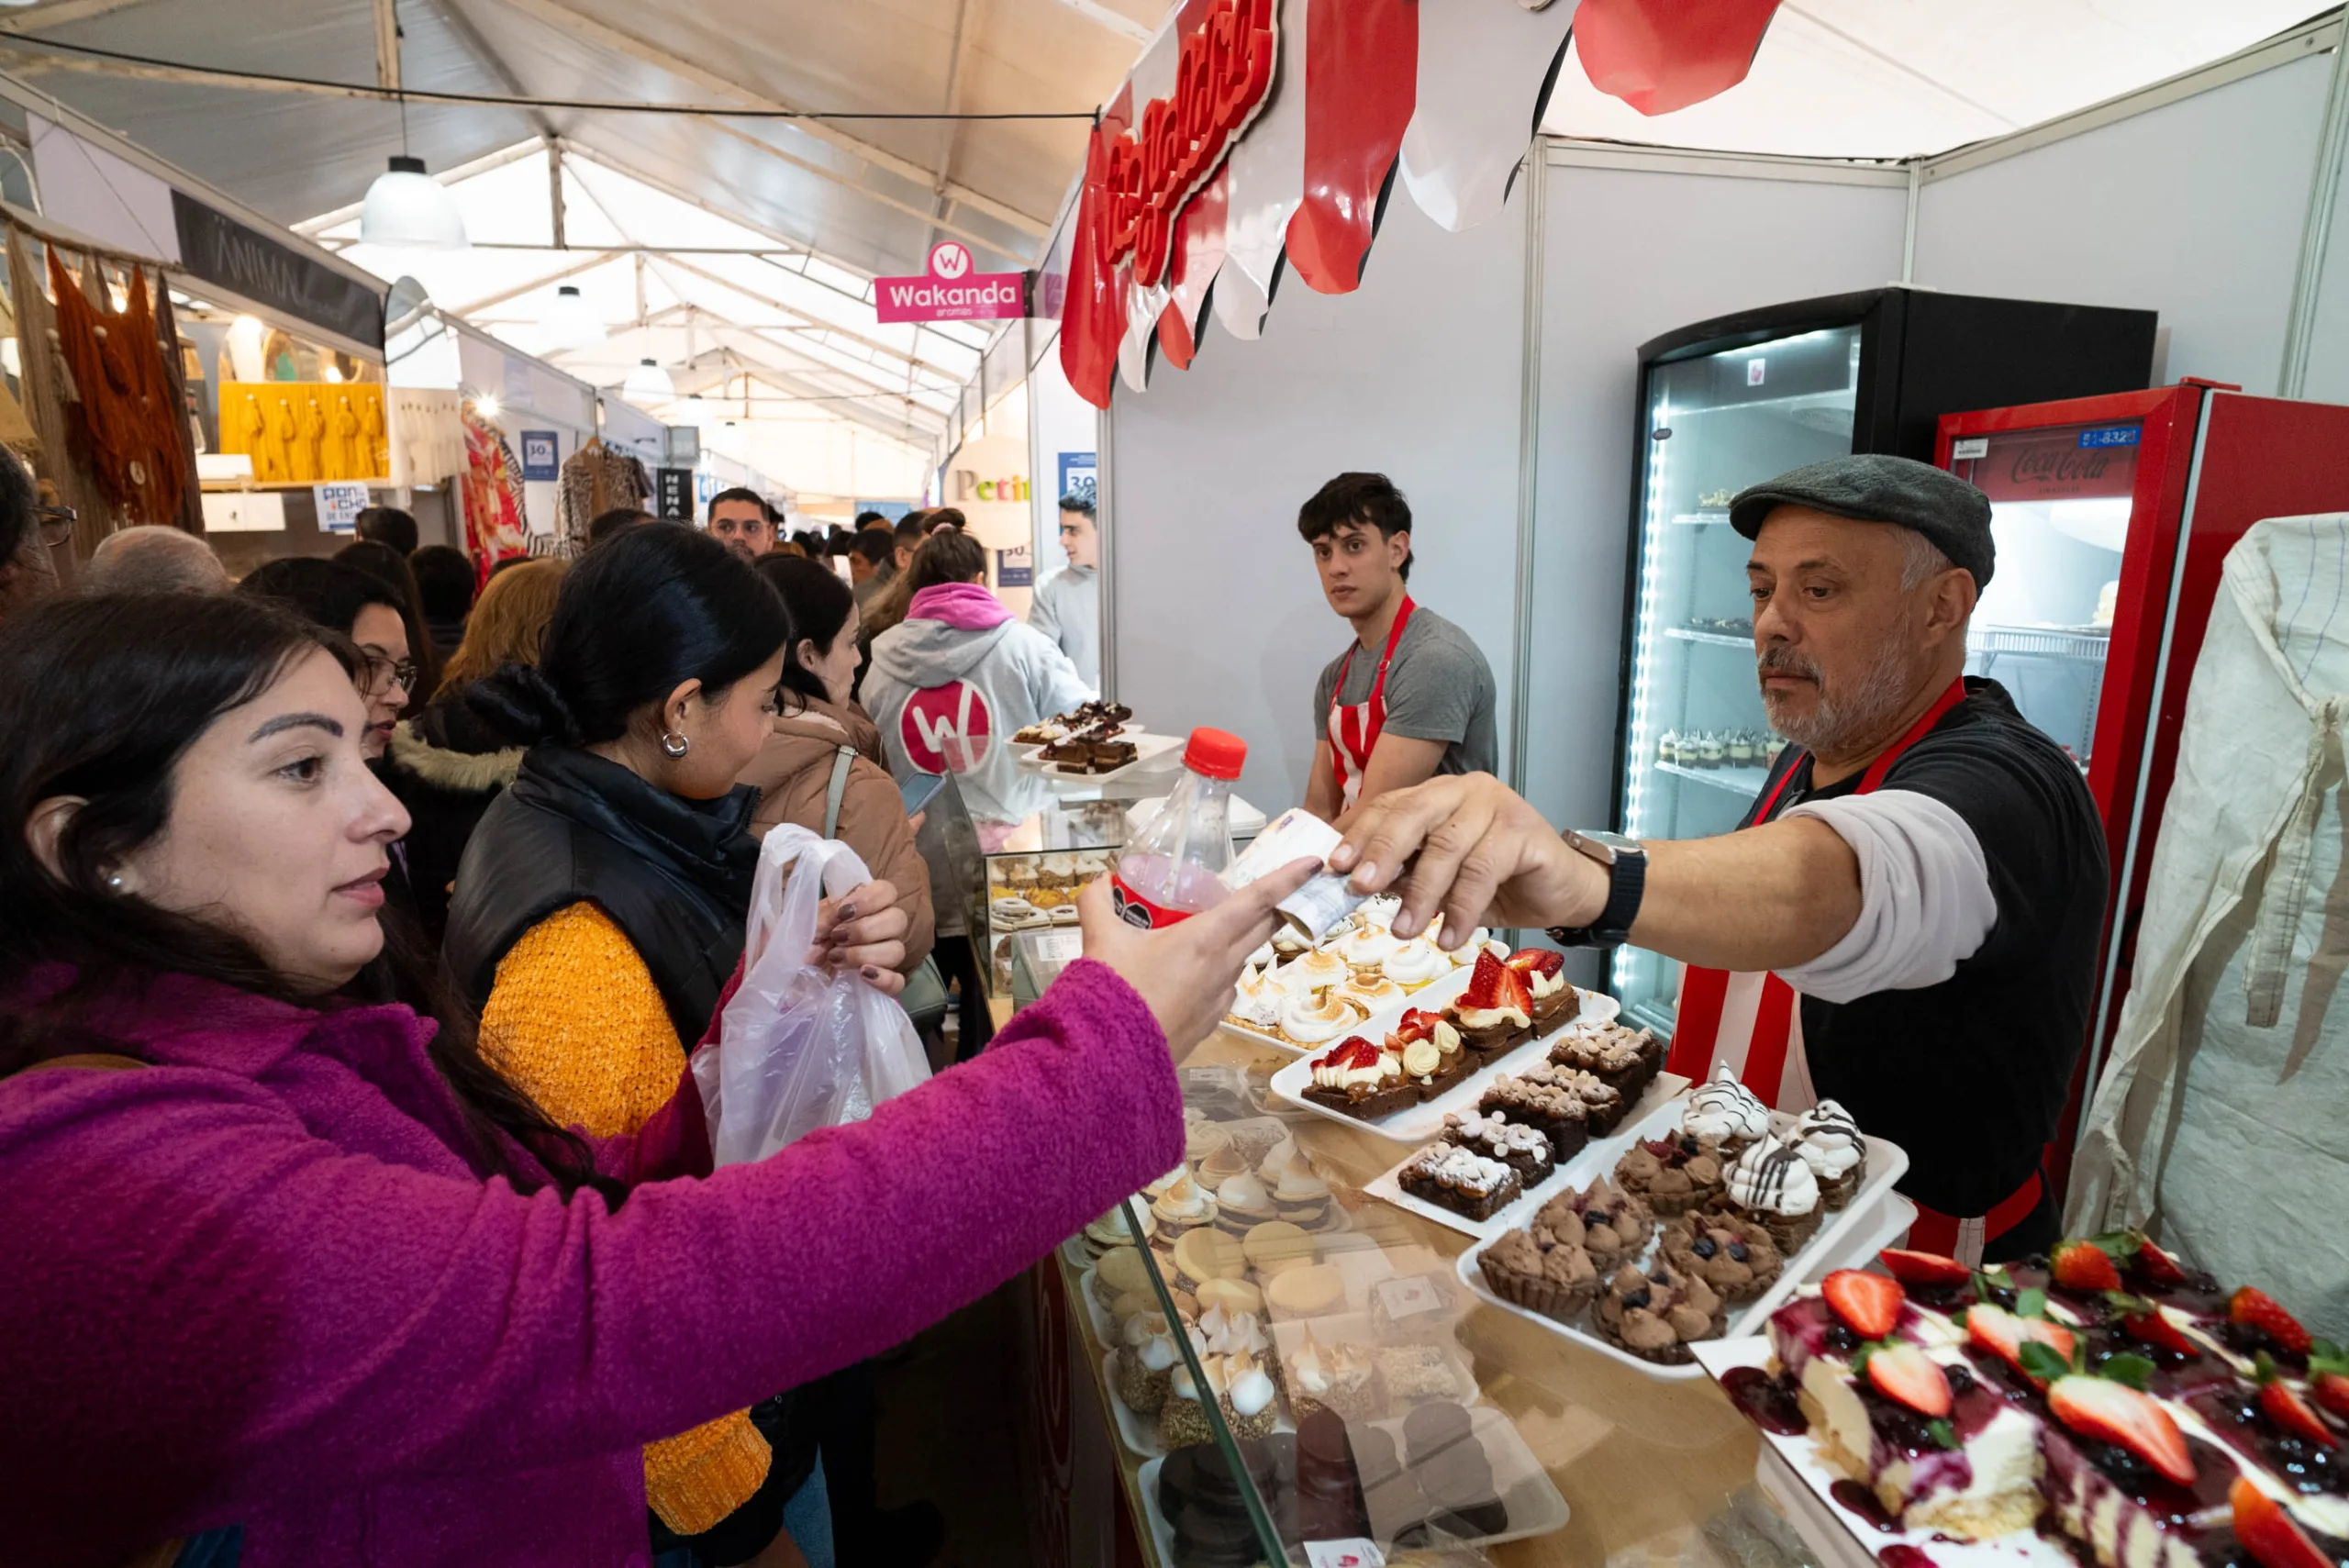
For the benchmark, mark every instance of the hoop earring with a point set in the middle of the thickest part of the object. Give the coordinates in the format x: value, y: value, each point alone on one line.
x: 674, y: 745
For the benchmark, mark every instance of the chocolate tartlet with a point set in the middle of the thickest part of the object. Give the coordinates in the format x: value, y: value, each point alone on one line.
x: 1543, y: 1269
x: 1616, y: 1224
x: 1736, y: 1256
x: 1657, y: 1313
x: 1674, y: 1174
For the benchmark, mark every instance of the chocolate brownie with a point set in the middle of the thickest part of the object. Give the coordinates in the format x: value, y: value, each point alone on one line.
x: 1531, y: 1100
x: 1458, y: 1179
x: 1525, y: 1148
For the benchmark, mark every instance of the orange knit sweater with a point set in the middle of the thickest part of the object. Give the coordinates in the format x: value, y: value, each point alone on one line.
x: 574, y: 1018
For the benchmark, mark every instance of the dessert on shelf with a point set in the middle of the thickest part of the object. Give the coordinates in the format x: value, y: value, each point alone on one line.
x: 1674, y: 1174
x: 1495, y: 1015
x: 1456, y: 1178
x: 2109, y: 1395
x: 1729, y: 1113
x: 1525, y: 1148
x: 1554, y: 1001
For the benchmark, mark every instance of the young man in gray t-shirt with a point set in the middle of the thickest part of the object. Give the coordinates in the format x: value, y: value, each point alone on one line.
x: 1406, y: 701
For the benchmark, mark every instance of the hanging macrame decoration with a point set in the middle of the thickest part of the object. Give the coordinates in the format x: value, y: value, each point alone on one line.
x: 122, y: 420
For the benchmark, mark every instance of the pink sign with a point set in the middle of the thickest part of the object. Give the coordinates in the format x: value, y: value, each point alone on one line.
x: 950, y: 291
x: 947, y: 729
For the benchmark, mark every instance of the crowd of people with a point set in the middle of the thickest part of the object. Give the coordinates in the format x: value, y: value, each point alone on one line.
x: 357, y: 929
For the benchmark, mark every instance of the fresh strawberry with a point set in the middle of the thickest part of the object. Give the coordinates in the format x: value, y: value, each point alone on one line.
x: 1417, y: 1024
x: 2148, y: 1327
x: 2157, y: 1267
x: 1905, y: 1373
x: 1515, y: 991
x: 1923, y: 1268
x: 2293, y: 1414
x: 2115, y: 1413
x: 2331, y: 1389
x: 2267, y: 1532
x: 1537, y: 961
x: 1870, y: 1304
x: 1352, y: 1052
x: 2085, y: 1266
x: 2003, y: 1334
x: 2256, y: 1306
x: 1483, y: 992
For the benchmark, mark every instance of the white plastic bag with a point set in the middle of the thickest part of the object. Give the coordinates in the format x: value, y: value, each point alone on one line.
x: 798, y: 1049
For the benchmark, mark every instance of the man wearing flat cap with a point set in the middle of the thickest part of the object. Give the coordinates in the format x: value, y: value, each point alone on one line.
x: 1905, y: 923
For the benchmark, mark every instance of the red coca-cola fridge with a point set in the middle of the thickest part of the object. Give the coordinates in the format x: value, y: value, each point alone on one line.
x: 2111, y: 517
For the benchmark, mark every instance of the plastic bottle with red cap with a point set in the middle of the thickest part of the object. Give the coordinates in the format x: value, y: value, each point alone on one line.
x: 1171, y: 871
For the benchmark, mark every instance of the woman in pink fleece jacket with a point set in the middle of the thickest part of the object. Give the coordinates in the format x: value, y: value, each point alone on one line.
x: 307, y: 1272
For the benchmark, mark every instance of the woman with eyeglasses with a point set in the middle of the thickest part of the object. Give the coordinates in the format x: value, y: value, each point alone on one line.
x: 29, y: 534
x: 363, y: 607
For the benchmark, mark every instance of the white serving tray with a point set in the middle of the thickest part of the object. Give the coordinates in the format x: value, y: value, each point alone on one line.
x: 1147, y: 748
x: 1792, y: 1473
x: 1876, y: 1218
x: 1433, y: 997
x: 1420, y: 1123
x: 1535, y: 1506
x: 1595, y: 1158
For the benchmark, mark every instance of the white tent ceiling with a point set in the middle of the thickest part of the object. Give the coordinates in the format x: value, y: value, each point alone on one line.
x: 739, y: 252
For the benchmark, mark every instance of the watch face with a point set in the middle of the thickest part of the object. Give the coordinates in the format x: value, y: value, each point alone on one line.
x: 1612, y: 841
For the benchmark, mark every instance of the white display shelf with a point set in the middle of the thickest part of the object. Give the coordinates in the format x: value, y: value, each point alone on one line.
x: 1747, y: 781
x: 1718, y: 639
x: 2047, y: 642
x: 1698, y: 519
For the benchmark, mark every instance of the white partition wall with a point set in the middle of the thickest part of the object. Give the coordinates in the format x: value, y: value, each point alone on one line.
x: 1635, y: 246
x: 2193, y: 209
x: 1218, y: 616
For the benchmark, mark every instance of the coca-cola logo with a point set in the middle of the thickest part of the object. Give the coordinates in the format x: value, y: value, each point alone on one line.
x: 2049, y: 464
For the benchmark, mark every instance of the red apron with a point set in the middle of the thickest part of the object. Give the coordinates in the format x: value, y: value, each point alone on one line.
x: 1354, y: 730
x: 1753, y: 1022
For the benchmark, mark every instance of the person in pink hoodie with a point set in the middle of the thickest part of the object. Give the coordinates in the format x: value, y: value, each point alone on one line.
x: 283, y: 1257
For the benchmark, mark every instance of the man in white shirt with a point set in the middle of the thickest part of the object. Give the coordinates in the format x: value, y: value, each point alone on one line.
x: 1067, y: 607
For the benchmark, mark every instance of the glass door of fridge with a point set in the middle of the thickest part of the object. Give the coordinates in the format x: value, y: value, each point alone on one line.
x: 2060, y: 501
x: 1698, y: 744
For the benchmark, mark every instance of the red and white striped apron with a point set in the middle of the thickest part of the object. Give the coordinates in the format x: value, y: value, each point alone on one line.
x: 1354, y: 730
x: 1753, y: 1022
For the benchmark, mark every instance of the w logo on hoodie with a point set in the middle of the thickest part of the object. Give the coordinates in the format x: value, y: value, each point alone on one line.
x: 947, y: 729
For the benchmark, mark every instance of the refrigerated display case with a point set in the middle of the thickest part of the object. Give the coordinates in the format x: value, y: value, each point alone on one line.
x: 1728, y: 403
x: 2095, y: 615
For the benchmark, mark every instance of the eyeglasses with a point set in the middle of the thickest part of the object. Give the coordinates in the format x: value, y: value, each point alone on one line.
x: 400, y: 673
x: 56, y: 524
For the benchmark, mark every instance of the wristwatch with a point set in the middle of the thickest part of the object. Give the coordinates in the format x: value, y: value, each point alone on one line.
x: 1627, y: 878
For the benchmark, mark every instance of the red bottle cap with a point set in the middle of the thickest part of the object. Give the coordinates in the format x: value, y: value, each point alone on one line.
x: 1216, y: 753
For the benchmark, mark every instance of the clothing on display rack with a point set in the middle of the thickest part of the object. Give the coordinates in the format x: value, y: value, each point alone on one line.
x: 124, y: 419
x: 597, y: 479
x: 492, y: 491
x: 426, y: 435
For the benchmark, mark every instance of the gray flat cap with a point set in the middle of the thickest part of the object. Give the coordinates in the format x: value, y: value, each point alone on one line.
x: 1878, y: 488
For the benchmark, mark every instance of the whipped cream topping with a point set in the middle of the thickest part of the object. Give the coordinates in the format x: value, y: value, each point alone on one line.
x: 1249, y: 1388
x: 1244, y: 1194
x: 1151, y: 1342
x: 1371, y: 992
x: 1183, y: 1200
x: 1725, y: 1109
x: 1276, y: 1158
x: 1166, y: 1181
x: 1449, y: 1165
x: 1379, y: 910
x: 1770, y: 1178
x: 1416, y: 963
x: 1420, y: 1059
x: 1828, y: 1141
x: 1263, y: 957
x: 1345, y: 1076
x: 1310, y: 1017
x: 1316, y: 970
x: 1299, y: 1184
x: 1365, y: 946
x: 1543, y: 984
x: 1486, y: 1018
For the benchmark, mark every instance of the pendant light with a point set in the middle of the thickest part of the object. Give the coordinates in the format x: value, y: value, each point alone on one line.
x: 647, y: 384
x: 406, y: 208
x: 569, y: 323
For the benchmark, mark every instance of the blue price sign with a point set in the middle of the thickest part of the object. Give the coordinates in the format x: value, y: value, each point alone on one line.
x: 2110, y: 436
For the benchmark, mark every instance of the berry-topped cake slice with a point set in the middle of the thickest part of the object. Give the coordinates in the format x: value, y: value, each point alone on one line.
x: 1554, y: 1001
x: 1495, y: 1015
x: 1361, y: 1080
x: 2105, y: 1393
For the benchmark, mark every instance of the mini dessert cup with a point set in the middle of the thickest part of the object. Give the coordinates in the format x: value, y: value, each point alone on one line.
x: 1544, y: 1273
x: 1612, y: 1225
x: 1147, y: 1357
x: 1830, y: 1143
x: 1673, y: 1174
x: 1657, y: 1313
x: 1734, y: 1256
x: 1772, y: 1185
